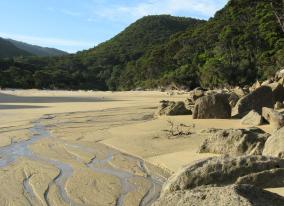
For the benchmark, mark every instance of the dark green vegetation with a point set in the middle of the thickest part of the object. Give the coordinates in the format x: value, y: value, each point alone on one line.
x: 242, y: 43
x: 37, y: 50
x: 8, y: 50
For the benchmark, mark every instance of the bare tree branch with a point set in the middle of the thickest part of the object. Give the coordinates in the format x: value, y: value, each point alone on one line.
x: 176, y: 130
x: 279, y: 16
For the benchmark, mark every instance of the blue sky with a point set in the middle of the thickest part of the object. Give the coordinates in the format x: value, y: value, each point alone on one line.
x: 74, y: 25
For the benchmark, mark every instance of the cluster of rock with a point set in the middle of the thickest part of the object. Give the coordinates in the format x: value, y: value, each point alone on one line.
x: 250, y: 160
x: 274, y: 146
x: 256, y: 105
x: 171, y: 108
x: 249, y: 141
x: 226, y: 181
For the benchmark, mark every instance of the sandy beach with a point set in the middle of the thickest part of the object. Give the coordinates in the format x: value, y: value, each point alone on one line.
x: 92, y: 148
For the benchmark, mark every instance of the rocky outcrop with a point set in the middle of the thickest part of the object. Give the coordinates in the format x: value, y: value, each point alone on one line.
x: 233, y: 195
x: 278, y: 105
x: 274, y: 145
x: 172, y: 108
x: 261, y: 97
x: 235, y: 142
x: 255, y: 86
x: 279, y: 75
x: 253, y: 118
x: 220, y: 171
x: 189, y: 104
x: 239, y: 91
x: 277, y: 92
x: 275, y: 119
x: 233, y: 99
x: 267, y: 82
x: 214, y: 106
x: 281, y: 81
x: 196, y: 94
x: 264, y: 179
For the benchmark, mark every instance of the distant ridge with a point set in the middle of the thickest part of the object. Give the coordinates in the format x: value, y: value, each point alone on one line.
x: 37, y: 50
x: 8, y: 50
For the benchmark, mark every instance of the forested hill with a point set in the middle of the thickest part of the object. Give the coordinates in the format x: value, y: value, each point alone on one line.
x: 37, y: 50
x: 8, y: 50
x: 112, y: 59
x: 141, y: 36
x: 97, y: 68
x: 241, y: 43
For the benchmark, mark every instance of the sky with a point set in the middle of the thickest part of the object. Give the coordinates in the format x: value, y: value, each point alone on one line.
x: 74, y: 25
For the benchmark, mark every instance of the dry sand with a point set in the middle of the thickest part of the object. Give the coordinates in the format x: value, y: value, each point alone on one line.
x: 75, y: 164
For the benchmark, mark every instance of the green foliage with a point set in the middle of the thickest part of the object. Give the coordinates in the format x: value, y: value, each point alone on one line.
x: 241, y: 43
x: 8, y: 50
x: 36, y: 50
x: 214, y: 73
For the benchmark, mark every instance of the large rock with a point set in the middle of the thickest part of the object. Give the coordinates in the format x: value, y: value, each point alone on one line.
x: 277, y: 92
x: 189, y: 104
x: 196, y: 94
x: 235, y: 142
x: 173, y: 108
x: 278, y: 105
x: 281, y: 81
x: 255, y: 86
x: 274, y: 146
x: 233, y: 99
x: 261, y: 97
x: 279, y: 74
x: 219, y: 171
x: 233, y: 195
x: 267, y: 82
x: 264, y: 179
x: 253, y: 118
x: 212, y: 107
x: 275, y: 119
x: 239, y: 91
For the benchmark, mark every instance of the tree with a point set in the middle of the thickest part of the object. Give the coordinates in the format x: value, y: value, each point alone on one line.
x: 214, y: 73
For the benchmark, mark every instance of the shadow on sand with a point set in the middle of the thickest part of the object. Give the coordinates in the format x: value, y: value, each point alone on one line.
x: 4, y: 106
x: 7, y: 98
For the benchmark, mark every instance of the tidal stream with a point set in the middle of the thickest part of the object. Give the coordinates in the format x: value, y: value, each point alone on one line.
x: 15, y: 150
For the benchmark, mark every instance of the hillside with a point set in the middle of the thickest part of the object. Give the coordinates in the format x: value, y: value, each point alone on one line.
x: 121, y: 52
x: 241, y: 43
x: 8, y: 50
x: 37, y: 50
x: 98, y: 68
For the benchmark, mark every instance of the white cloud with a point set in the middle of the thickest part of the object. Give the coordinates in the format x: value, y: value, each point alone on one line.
x: 204, y: 8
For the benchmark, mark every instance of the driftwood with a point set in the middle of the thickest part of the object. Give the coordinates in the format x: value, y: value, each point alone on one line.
x: 176, y: 130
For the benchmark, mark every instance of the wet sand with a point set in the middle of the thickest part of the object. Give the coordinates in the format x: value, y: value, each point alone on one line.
x: 91, y: 148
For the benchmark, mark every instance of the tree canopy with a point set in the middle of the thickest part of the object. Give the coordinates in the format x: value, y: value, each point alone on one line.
x: 243, y: 42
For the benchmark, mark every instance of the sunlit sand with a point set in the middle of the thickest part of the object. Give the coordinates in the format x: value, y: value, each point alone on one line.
x: 92, y: 148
